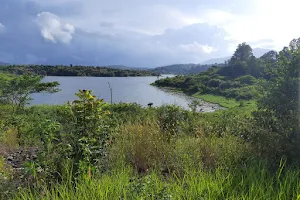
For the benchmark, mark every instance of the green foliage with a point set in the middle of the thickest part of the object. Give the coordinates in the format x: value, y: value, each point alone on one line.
x: 82, y: 142
x: 254, y: 182
x: 6, y: 176
x: 278, y: 109
x: 17, y: 90
x: 184, y: 68
x: 248, y: 80
x: 222, y: 101
x: 168, y: 152
x: 242, y: 53
x: 237, y: 79
x: 88, y: 139
x: 170, y: 119
x: 74, y: 71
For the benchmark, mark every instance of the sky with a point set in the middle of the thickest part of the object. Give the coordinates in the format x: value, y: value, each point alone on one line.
x: 140, y: 33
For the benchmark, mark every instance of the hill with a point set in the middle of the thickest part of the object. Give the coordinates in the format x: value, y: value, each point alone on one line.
x: 235, y: 80
x: 50, y: 70
x: 183, y: 68
x: 3, y: 64
x: 257, y: 52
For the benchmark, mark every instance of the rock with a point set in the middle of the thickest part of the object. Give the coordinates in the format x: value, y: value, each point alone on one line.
x: 10, y: 158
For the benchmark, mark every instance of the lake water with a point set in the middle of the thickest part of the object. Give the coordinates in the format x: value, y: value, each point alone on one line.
x: 124, y: 89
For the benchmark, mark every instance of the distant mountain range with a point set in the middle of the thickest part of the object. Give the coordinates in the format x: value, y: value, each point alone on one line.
x: 127, y: 67
x: 257, y: 52
x: 197, y: 68
x: 184, y: 68
x: 3, y: 63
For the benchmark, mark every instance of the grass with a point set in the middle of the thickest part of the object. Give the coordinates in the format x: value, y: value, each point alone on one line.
x: 206, y: 159
x: 246, y: 183
x: 222, y: 101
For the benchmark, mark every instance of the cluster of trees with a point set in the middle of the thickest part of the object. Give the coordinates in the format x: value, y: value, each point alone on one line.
x: 48, y: 70
x: 273, y: 80
x: 183, y: 68
x: 237, y: 79
x: 16, y: 90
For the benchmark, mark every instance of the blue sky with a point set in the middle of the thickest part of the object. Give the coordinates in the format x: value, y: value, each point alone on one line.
x: 142, y: 33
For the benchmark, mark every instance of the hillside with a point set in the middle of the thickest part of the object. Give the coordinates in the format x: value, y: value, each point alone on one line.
x: 183, y: 69
x: 49, y: 70
x: 3, y: 64
x: 191, y: 68
x: 238, y: 79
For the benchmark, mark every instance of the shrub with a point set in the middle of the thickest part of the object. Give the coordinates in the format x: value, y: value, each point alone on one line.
x: 142, y: 146
x: 170, y: 120
x: 247, y: 79
x: 214, y: 83
x: 9, y: 139
x: 83, y: 143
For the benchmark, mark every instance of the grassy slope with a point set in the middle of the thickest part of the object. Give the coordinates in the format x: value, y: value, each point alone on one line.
x: 252, y: 183
x: 246, y: 107
x: 222, y: 101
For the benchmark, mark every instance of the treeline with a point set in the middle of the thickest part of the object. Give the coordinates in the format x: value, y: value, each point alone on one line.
x: 48, y: 70
x: 237, y: 79
x: 183, y: 68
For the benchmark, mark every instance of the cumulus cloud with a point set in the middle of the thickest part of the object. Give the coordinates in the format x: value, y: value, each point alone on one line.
x: 2, y: 27
x: 197, y: 48
x: 54, y: 29
x: 138, y: 33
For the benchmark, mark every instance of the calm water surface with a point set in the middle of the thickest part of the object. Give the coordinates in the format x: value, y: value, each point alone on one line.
x: 124, y: 89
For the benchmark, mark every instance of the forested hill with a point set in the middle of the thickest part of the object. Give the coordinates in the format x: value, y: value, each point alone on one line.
x: 48, y: 70
x: 197, y: 68
x: 183, y: 68
x: 237, y: 79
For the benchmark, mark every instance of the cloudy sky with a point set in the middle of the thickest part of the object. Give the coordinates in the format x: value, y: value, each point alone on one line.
x: 142, y: 33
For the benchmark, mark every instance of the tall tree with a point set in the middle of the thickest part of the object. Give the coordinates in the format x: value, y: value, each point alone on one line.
x: 242, y: 53
x: 279, y: 108
x: 270, y: 56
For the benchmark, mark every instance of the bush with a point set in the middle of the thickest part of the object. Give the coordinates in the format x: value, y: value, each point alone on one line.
x: 214, y: 83
x: 83, y: 144
x: 142, y: 146
x: 170, y: 120
x: 247, y: 79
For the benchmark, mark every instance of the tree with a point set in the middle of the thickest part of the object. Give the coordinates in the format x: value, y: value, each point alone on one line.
x: 270, y: 56
x: 242, y: 53
x: 17, y: 90
x: 279, y: 111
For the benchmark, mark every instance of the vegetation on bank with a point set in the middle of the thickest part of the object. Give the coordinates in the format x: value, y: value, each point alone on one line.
x: 183, y: 68
x: 48, y: 70
x: 87, y: 149
x: 238, y: 79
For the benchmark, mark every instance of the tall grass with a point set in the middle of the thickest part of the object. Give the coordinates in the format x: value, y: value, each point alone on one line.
x: 207, y: 158
x: 254, y: 182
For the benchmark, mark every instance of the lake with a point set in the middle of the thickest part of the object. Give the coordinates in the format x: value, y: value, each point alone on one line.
x: 124, y: 89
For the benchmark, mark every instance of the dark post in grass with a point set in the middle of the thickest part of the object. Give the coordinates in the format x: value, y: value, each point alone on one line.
x: 110, y: 93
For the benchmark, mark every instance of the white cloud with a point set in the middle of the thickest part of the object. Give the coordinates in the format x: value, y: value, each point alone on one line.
x: 216, y: 17
x: 148, y: 32
x: 2, y: 27
x: 268, y: 19
x: 54, y: 29
x: 197, y: 48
